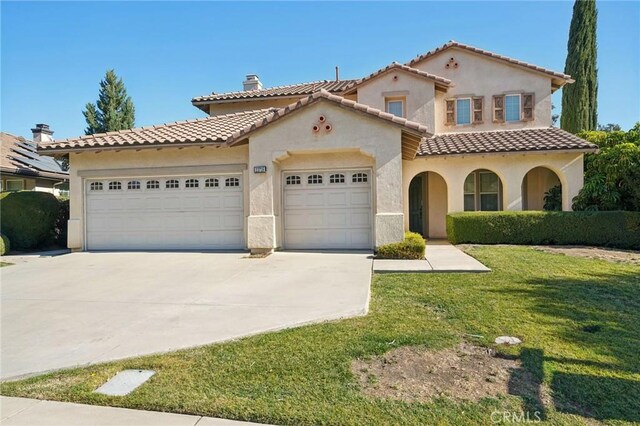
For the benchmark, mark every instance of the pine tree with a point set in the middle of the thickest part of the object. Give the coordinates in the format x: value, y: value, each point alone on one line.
x: 579, y: 100
x: 114, y: 109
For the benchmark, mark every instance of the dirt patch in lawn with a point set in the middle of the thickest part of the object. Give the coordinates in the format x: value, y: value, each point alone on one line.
x: 466, y: 372
x: 610, y: 255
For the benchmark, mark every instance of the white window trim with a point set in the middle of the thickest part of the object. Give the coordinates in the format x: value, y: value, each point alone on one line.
x: 402, y: 102
x: 504, y: 107
x: 470, y: 110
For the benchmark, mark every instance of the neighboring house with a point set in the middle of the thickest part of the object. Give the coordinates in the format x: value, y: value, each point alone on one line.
x: 344, y: 164
x: 23, y: 169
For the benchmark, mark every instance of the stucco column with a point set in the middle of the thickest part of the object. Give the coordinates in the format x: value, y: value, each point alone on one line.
x: 261, y: 227
x: 389, y: 217
x: 512, y: 193
x: 572, y: 179
x: 75, y: 225
x: 455, y: 191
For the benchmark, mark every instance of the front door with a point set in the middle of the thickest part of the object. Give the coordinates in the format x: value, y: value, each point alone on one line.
x: 415, y: 205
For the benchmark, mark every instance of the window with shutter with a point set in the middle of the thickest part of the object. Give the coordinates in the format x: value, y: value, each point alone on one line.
x: 527, y: 106
x: 498, y: 109
x: 478, y: 104
x: 451, y: 111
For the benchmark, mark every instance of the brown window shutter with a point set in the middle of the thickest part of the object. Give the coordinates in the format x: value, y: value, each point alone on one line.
x: 450, y: 111
x: 527, y: 106
x: 478, y: 110
x: 498, y: 109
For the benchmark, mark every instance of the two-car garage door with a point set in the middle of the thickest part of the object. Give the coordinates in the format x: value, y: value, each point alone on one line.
x: 171, y: 212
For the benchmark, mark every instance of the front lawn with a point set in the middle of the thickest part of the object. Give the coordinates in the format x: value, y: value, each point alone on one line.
x: 579, y: 320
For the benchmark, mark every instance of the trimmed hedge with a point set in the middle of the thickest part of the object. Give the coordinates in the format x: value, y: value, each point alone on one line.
x: 5, y: 246
x: 411, y: 248
x: 619, y: 229
x: 28, y: 218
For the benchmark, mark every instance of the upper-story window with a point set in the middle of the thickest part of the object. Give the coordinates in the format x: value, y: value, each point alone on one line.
x: 463, y: 111
x: 395, y: 107
x: 512, y: 108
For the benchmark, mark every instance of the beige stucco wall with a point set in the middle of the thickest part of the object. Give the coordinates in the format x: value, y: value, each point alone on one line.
x: 436, y: 206
x: 146, y: 161
x: 477, y: 75
x: 355, y: 140
x: 536, y: 183
x: 418, y: 92
x: 511, y: 168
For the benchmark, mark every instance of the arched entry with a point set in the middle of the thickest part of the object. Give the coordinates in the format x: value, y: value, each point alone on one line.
x: 428, y: 205
x: 541, y: 190
x: 483, y: 191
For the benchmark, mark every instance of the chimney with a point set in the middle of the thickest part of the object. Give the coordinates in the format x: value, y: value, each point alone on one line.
x: 251, y: 83
x: 41, y: 133
x: 337, y: 73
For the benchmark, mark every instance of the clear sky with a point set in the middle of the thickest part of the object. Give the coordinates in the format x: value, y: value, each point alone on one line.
x: 54, y: 54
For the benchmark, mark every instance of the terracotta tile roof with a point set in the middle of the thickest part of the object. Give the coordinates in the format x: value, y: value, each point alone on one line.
x: 413, y: 127
x: 301, y: 89
x: 440, y: 81
x: 525, y: 140
x: 517, y: 62
x: 19, y: 156
x: 229, y: 128
x: 216, y: 129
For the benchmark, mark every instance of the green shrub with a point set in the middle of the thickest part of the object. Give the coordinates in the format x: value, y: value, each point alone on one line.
x: 5, y: 246
x: 28, y: 218
x: 411, y: 248
x: 62, y: 222
x: 619, y: 229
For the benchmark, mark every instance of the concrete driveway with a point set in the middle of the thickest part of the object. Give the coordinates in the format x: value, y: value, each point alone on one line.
x: 86, y: 308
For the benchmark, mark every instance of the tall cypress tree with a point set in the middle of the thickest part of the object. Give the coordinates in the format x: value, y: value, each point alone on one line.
x: 579, y: 100
x: 114, y: 109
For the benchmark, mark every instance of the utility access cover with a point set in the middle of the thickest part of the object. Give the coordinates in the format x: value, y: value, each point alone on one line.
x: 125, y: 382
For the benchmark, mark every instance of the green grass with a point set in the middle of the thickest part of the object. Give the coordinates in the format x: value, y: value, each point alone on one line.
x: 579, y: 320
x: 2, y: 264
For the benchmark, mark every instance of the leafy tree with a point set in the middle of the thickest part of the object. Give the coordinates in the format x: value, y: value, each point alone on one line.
x: 114, y: 109
x: 612, y: 176
x: 609, y: 127
x: 579, y: 100
x: 554, y: 117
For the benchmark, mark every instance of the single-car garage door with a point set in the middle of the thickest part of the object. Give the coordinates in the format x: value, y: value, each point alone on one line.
x: 328, y: 210
x: 182, y: 212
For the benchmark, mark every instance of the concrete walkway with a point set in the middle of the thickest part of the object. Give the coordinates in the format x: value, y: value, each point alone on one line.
x: 440, y: 256
x: 34, y: 412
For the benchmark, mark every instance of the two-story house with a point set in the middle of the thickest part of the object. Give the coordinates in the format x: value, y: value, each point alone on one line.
x: 344, y: 164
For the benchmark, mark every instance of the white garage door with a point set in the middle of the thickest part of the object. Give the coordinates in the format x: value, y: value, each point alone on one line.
x: 186, y: 212
x: 328, y: 210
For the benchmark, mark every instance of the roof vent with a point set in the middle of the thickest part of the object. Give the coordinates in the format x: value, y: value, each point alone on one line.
x: 251, y: 83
